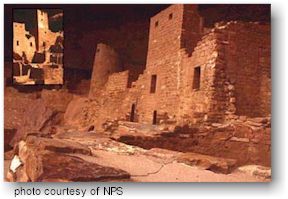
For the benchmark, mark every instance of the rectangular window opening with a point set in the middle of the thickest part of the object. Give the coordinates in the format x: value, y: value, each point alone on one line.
x: 154, y: 121
x: 196, y: 78
x: 153, y: 83
x: 170, y: 15
x: 17, y: 43
x: 156, y: 24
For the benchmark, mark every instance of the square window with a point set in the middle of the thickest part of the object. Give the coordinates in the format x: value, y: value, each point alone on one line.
x: 156, y: 24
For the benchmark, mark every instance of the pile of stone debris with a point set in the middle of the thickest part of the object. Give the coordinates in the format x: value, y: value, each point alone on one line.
x: 247, y: 141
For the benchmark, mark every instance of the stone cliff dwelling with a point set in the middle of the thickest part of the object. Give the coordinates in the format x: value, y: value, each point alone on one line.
x: 193, y: 74
x: 197, y: 109
x: 37, y: 55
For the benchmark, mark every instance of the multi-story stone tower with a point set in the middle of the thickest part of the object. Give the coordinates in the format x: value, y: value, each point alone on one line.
x: 106, y: 62
x: 174, y: 32
x: 42, y: 31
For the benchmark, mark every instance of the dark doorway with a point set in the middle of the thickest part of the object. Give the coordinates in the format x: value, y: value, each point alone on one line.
x: 132, y: 114
x: 154, y: 117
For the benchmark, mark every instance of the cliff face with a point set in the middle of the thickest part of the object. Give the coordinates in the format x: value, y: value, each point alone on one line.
x: 214, y: 13
x: 130, y: 41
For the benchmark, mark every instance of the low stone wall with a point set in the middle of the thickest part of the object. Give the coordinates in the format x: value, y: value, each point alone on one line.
x: 117, y: 82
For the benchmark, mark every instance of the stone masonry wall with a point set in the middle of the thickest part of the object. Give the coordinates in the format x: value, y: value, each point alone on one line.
x: 235, y: 74
x: 192, y: 28
x: 164, y: 61
x: 106, y: 62
x: 248, y: 67
x: 44, y: 36
x: 196, y: 103
x: 230, y: 65
x: 107, y: 101
x: 117, y: 82
x: 23, y: 41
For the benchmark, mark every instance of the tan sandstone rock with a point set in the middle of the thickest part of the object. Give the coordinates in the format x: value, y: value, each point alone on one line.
x: 215, y: 164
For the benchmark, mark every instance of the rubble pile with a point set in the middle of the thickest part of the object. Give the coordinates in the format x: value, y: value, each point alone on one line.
x: 248, y: 141
x: 110, y: 126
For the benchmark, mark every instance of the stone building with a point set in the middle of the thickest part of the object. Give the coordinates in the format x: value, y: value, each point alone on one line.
x: 23, y: 41
x: 44, y: 36
x: 193, y: 74
x: 38, y: 48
